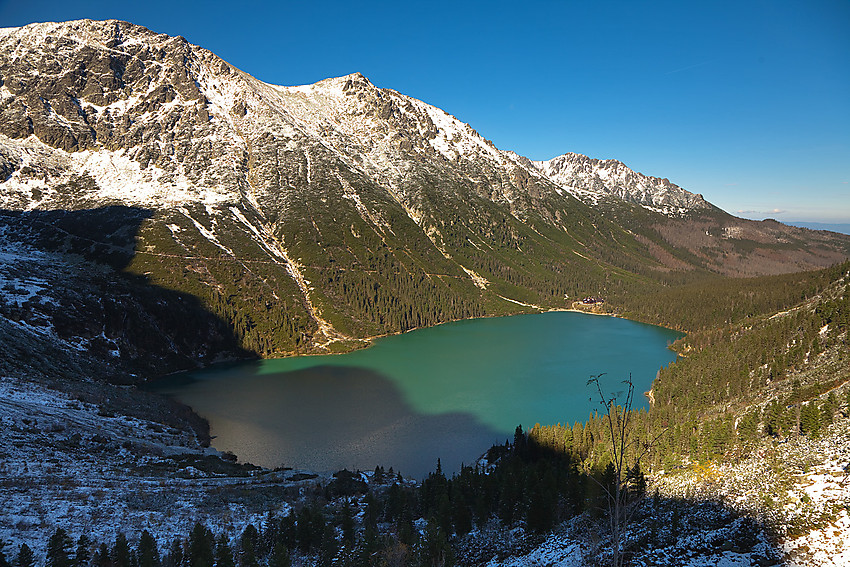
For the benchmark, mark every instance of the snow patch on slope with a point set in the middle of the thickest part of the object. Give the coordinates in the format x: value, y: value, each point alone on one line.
x: 123, y: 179
x: 455, y: 138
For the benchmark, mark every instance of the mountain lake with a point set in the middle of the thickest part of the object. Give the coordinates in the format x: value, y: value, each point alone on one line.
x: 447, y: 392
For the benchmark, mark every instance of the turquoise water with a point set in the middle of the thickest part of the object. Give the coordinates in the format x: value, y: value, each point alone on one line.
x: 446, y: 392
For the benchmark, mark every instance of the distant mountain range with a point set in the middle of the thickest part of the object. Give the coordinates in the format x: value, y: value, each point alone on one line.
x: 161, y: 209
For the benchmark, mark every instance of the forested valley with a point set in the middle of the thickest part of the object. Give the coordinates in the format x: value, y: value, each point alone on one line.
x: 765, y: 360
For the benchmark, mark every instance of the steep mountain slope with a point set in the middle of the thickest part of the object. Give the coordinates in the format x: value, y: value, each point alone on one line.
x: 308, y: 218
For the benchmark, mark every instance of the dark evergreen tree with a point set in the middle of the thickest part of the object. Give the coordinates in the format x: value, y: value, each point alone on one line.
x: 443, y: 513
x: 101, y: 557
x: 461, y: 515
x: 280, y: 556
x: 147, y: 552
x: 121, y: 554
x: 25, y: 557
x: 248, y: 547
x: 328, y: 546
x: 201, y: 547
x: 175, y: 555
x: 636, y: 482
x: 59, y: 548
x: 287, y: 530
x: 4, y: 562
x: 347, y: 523
x: 223, y: 553
x: 540, y: 516
x: 434, y: 549
x: 83, y: 554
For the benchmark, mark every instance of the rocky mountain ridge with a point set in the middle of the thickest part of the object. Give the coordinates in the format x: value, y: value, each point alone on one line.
x: 590, y: 179
x: 309, y: 218
x: 109, y: 79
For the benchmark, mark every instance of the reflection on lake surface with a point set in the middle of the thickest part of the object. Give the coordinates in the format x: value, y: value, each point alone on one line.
x: 447, y: 392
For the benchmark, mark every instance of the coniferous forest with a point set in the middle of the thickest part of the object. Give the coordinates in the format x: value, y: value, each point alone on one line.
x: 774, y: 369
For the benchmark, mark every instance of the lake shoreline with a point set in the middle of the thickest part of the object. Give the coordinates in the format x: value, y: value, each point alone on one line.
x: 366, y: 342
x: 419, y: 392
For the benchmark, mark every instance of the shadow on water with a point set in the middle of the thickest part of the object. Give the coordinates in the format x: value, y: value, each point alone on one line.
x: 326, y: 418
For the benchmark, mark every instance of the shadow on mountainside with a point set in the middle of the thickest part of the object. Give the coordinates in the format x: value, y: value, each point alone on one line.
x: 70, y: 312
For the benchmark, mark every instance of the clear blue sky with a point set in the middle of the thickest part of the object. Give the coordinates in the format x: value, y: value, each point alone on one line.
x: 747, y: 103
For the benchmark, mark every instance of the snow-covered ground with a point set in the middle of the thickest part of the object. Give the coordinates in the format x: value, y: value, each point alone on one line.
x: 68, y: 463
x: 64, y: 462
x: 797, y: 490
x: 800, y: 487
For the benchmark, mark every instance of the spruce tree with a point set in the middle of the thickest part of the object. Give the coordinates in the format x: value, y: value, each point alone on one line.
x: 25, y: 557
x: 223, y: 554
x: 434, y: 549
x: 148, y: 554
x: 121, y: 555
x: 201, y: 544
x: 59, y: 549
x: 287, y: 530
x: 175, y: 555
x: 248, y: 547
x: 280, y: 556
x: 3, y: 561
x: 347, y: 524
x: 83, y: 555
x: 101, y: 557
x: 328, y: 546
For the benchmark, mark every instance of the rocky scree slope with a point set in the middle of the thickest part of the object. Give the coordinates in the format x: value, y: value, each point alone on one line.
x: 309, y: 218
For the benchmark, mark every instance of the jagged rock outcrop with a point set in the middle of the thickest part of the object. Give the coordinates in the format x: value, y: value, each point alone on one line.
x: 590, y: 179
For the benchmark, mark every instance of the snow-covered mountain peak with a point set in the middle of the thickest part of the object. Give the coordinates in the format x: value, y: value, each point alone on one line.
x: 192, y: 121
x: 590, y: 179
x: 108, y: 34
x: 337, y: 86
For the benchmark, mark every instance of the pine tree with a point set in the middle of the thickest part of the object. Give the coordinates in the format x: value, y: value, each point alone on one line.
x: 25, y: 557
x: 59, y: 549
x: 148, y: 554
